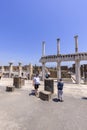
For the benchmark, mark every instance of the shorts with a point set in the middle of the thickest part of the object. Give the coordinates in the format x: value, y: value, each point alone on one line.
x: 36, y: 86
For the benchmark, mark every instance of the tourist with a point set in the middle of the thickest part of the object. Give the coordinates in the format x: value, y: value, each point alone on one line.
x: 0, y: 75
x: 60, y: 85
x: 36, y: 83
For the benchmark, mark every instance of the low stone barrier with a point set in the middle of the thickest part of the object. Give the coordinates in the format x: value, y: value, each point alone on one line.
x: 45, y: 95
x: 10, y: 88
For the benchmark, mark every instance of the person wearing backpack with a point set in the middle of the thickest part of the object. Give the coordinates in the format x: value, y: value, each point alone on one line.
x: 60, y: 85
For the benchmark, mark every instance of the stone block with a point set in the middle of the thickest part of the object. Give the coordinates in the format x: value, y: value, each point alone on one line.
x: 49, y: 85
x: 10, y: 88
x: 45, y: 95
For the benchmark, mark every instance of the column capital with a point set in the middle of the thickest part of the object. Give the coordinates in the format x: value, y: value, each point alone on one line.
x: 10, y: 63
x: 43, y: 42
x: 19, y: 63
x: 76, y: 36
x: 58, y: 39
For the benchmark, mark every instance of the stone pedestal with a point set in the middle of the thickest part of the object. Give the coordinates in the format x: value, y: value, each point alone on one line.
x: 49, y: 85
x: 45, y: 95
x: 18, y: 82
x: 10, y: 88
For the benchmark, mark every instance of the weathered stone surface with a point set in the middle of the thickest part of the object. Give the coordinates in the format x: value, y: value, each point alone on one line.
x: 49, y: 85
x: 21, y: 111
x: 10, y: 88
x: 45, y: 95
x: 18, y: 82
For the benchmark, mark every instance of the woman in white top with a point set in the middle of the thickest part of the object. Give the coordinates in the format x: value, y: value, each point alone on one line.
x: 36, y: 83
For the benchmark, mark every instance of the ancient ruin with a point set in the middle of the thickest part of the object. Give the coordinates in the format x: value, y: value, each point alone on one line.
x: 58, y: 58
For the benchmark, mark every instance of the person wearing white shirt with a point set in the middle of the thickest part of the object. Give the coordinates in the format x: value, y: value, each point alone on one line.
x: 36, y: 83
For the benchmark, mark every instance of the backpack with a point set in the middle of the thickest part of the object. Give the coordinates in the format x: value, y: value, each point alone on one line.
x: 60, y: 85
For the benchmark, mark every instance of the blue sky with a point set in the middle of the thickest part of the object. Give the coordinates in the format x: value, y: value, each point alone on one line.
x: 24, y: 24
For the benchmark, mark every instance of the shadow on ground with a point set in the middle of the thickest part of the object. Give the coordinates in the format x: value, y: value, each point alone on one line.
x: 85, y: 98
x: 55, y: 99
x: 32, y: 93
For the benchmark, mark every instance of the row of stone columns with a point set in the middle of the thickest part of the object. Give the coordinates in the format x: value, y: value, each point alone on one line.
x: 77, y: 61
x: 30, y: 70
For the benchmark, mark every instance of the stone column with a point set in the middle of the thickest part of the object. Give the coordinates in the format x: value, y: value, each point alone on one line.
x: 76, y: 43
x: 58, y: 63
x: 43, y: 48
x: 2, y: 69
x: 30, y: 71
x: 43, y: 64
x: 58, y: 70
x: 83, y: 71
x: 43, y: 71
x: 10, y: 69
x: 20, y: 69
x: 85, y: 74
x: 77, y: 71
x: 77, y: 61
x: 58, y: 46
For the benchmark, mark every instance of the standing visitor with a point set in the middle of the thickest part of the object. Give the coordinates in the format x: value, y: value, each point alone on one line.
x: 60, y: 85
x: 36, y: 83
